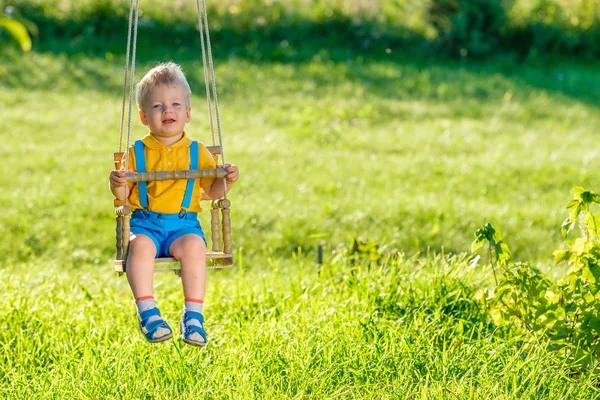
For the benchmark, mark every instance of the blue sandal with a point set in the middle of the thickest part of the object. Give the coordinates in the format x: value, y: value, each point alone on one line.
x: 155, y: 331
x: 193, y: 334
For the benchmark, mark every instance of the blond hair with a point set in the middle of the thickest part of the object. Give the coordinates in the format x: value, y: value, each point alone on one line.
x: 169, y: 74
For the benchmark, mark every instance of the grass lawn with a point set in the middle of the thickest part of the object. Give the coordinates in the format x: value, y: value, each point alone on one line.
x: 411, y: 154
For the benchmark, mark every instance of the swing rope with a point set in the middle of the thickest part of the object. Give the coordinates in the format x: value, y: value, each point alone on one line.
x: 131, y: 91
x: 208, y: 50
x: 206, y: 81
x: 126, y: 75
x: 129, y: 78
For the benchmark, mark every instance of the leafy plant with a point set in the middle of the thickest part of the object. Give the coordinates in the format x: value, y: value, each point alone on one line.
x: 520, y: 292
x: 496, y: 246
x: 581, y: 289
x: 565, y: 314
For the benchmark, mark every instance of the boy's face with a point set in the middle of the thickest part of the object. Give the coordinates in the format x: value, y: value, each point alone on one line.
x: 166, y: 112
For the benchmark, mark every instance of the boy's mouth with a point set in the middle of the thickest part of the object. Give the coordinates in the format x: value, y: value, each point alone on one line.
x: 168, y: 121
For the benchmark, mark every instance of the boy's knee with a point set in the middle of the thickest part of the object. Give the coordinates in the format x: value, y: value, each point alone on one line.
x: 141, y: 244
x: 188, y: 246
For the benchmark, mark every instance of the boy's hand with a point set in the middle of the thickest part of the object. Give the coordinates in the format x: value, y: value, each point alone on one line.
x: 117, y: 178
x: 233, y: 173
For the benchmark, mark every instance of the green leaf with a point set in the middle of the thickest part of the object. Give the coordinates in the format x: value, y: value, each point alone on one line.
x: 579, y: 246
x: 589, y: 298
x: 18, y: 31
x: 573, y: 203
x: 590, y: 224
x: 476, y: 245
x: 586, y: 274
x: 502, y: 252
x: 575, y: 211
x: 485, y: 234
x: 497, y: 235
x: 577, y: 192
x: 570, y: 307
x: 594, y: 326
x: 497, y: 317
x: 595, y: 271
x: 552, y: 297
x: 588, y: 197
x: 561, y: 255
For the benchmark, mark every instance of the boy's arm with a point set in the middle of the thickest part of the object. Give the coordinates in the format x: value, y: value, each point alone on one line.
x: 117, y: 184
x: 216, y: 190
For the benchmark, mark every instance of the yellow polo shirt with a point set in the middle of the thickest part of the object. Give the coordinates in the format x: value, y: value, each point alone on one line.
x: 166, y: 196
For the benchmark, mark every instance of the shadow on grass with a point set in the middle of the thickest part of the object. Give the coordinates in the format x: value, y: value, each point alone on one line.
x: 397, y: 64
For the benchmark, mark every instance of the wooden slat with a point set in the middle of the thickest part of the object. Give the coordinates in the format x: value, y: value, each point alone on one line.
x: 177, y: 270
x: 172, y: 175
x: 209, y: 256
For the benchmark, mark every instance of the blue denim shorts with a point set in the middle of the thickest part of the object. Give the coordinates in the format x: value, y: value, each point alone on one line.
x: 163, y: 229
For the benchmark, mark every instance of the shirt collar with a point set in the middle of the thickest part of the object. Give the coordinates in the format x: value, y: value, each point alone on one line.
x: 153, y: 143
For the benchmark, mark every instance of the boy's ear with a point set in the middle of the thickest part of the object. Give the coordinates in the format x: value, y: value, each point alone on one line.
x: 143, y: 117
x: 188, y: 114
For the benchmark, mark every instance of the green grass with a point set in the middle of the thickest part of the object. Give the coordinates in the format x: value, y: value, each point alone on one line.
x: 412, y: 154
x: 415, y: 154
x: 403, y: 330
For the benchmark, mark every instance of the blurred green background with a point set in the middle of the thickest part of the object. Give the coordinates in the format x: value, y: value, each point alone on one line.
x: 256, y: 29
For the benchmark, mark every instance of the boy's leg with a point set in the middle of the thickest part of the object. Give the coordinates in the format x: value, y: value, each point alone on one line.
x: 140, y: 265
x: 140, y: 274
x: 190, y: 251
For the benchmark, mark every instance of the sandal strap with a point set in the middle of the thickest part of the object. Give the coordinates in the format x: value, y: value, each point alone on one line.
x: 150, y: 328
x: 144, y: 315
x: 154, y: 325
x: 189, y: 315
x: 188, y: 329
x: 195, y: 329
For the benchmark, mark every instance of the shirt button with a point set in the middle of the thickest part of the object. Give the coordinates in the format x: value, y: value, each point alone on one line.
x: 169, y: 149
x: 169, y: 163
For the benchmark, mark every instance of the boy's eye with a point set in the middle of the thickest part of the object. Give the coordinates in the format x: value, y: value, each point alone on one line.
x: 176, y: 104
x: 156, y: 106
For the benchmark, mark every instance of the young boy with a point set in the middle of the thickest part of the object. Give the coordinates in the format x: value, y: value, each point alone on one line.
x: 164, y: 221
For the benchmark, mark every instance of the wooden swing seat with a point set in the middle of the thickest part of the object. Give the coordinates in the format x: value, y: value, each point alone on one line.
x: 212, y: 255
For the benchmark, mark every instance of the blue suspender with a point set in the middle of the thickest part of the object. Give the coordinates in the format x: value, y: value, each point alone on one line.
x: 187, y: 199
x: 140, y: 166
